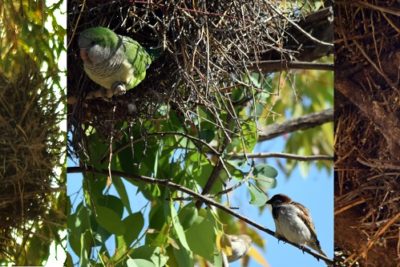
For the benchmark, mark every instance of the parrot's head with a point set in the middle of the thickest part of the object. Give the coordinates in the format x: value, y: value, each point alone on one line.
x: 96, y: 44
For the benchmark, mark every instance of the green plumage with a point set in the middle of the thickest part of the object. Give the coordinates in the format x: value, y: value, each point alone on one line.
x: 117, y: 63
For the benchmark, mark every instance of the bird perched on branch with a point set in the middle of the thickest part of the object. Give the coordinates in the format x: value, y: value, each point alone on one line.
x: 234, y: 247
x: 293, y: 222
x: 117, y: 63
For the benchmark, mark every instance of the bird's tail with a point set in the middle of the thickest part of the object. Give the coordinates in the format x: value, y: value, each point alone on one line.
x: 155, y: 52
x: 316, y: 246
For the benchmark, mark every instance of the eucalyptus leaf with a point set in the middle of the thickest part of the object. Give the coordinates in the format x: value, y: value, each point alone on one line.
x: 139, y: 263
x: 258, y: 197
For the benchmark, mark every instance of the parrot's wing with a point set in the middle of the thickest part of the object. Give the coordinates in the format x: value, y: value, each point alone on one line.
x: 138, y: 57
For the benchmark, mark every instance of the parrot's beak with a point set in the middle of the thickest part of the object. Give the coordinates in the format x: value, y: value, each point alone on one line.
x: 84, y: 55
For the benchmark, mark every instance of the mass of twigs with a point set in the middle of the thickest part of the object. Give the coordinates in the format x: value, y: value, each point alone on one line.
x: 208, y: 47
x: 29, y: 151
x: 367, y: 109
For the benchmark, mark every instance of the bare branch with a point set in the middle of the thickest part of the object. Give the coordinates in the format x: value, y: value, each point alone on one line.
x: 280, y: 65
x: 300, y: 123
x: 209, y: 201
x: 282, y: 155
x: 302, y: 30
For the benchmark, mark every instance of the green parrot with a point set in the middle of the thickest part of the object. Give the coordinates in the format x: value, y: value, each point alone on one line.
x: 117, y: 63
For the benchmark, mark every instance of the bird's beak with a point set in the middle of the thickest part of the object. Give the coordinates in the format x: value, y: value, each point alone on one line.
x: 84, y: 54
x: 268, y: 202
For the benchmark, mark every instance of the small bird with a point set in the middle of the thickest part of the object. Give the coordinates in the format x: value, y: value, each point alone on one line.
x: 234, y: 247
x: 117, y: 63
x: 239, y: 244
x: 293, y: 222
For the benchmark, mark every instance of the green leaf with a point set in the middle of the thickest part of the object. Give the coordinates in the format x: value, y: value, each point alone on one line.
x: 93, y: 186
x: 78, y: 223
x: 110, y: 220
x: 126, y: 161
x: 156, y: 157
x: 207, y: 135
x: 178, y: 227
x: 86, y: 246
x: 248, y: 138
x: 258, y: 197
x: 121, y: 189
x: 139, y: 263
x: 201, y: 236
x: 152, y: 253
x: 97, y: 150
x: 134, y: 224
x: 237, y: 94
x: 188, y: 215
x: 183, y: 257
x: 218, y: 261
x: 265, y: 170
x: 265, y: 176
x: 111, y: 202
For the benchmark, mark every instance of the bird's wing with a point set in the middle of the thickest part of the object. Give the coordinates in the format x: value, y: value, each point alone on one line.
x: 136, y: 55
x: 306, y: 218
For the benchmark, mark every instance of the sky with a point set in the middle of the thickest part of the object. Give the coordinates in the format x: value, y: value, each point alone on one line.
x: 314, y: 191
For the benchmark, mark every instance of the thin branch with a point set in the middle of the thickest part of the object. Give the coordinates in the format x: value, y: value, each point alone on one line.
x: 238, y: 184
x: 301, y: 29
x: 280, y: 65
x: 195, y: 139
x: 211, y: 180
x: 300, y: 123
x: 162, y: 134
x: 392, y: 10
x: 282, y: 155
x: 380, y: 164
x: 215, y: 174
x: 209, y: 201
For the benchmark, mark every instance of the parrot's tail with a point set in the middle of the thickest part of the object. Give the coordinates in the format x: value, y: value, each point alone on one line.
x: 155, y: 52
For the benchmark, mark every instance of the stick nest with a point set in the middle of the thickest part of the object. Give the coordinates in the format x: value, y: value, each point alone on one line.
x: 29, y: 151
x: 367, y: 186
x: 209, y: 47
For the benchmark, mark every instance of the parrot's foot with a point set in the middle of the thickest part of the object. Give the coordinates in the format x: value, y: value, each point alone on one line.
x: 118, y: 88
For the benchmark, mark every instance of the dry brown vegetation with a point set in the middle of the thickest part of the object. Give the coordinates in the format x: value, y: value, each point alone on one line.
x: 367, y: 116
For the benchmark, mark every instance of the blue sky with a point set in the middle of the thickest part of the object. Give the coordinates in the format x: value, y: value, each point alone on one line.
x: 314, y: 191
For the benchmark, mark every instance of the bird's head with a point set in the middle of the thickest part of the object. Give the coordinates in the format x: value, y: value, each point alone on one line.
x: 279, y: 199
x: 96, y: 43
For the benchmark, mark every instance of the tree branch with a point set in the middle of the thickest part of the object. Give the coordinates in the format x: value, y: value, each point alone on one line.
x: 162, y: 134
x: 300, y: 123
x: 299, y: 28
x: 280, y: 65
x: 214, y: 175
x: 209, y: 201
x: 281, y: 155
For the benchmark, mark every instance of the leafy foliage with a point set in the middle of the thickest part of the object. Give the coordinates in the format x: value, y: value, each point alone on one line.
x: 168, y: 148
x: 157, y: 225
x: 303, y: 92
x: 32, y: 172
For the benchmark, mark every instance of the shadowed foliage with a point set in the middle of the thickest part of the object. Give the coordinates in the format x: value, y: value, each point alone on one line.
x: 32, y: 145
